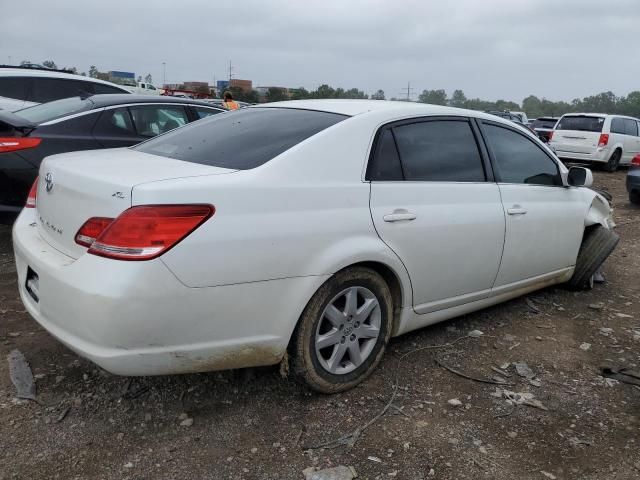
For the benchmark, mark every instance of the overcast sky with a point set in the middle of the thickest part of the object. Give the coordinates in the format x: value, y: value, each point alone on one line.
x: 559, y: 49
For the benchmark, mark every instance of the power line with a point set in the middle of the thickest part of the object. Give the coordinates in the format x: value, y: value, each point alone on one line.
x: 408, y: 91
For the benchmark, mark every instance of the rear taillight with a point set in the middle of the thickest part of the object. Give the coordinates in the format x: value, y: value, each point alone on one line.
x: 33, y: 195
x: 91, y: 229
x: 550, y: 135
x: 604, y: 140
x: 636, y: 161
x: 11, y: 144
x: 145, y: 232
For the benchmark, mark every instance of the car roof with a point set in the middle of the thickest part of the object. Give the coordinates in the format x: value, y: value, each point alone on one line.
x: 393, y: 108
x: 107, y: 100
x: 27, y: 72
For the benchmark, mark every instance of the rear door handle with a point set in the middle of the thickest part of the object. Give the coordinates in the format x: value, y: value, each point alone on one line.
x: 399, y: 216
x: 516, y: 210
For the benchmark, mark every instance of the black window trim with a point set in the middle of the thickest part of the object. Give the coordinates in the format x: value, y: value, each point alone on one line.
x: 492, y: 157
x: 486, y: 165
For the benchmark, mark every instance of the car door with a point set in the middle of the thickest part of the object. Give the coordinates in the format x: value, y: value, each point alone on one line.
x: 632, y: 141
x: 434, y: 204
x: 544, y: 219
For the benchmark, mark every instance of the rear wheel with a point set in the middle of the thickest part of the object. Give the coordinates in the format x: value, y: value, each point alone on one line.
x: 597, y: 245
x: 614, y: 161
x: 634, y: 197
x: 343, y: 331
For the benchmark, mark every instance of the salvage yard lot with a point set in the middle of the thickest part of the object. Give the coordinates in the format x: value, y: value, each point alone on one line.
x: 253, y: 424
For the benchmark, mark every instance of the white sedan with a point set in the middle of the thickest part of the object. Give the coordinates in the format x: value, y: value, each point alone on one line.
x: 317, y: 228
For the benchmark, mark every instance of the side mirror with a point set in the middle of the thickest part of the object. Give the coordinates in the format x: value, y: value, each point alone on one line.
x: 580, y: 177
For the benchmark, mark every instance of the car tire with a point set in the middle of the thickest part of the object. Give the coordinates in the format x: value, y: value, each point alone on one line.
x: 634, y: 197
x: 614, y: 161
x: 597, y: 245
x: 335, y: 344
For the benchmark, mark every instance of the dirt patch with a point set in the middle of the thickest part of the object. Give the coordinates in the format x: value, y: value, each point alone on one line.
x: 252, y: 424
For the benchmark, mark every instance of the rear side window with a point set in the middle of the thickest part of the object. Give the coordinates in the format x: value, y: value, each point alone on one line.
x: 617, y: 125
x: 581, y: 123
x: 630, y: 127
x: 152, y: 120
x: 385, y: 164
x: 519, y: 159
x: 543, y: 123
x: 115, y: 122
x: 13, y: 87
x: 50, y: 89
x: 243, y: 139
x: 439, y: 151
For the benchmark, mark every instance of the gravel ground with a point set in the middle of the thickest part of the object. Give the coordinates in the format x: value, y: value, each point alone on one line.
x: 253, y: 424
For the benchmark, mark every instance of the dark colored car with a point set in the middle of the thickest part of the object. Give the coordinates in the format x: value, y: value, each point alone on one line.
x: 544, y: 126
x: 633, y: 180
x: 77, y: 123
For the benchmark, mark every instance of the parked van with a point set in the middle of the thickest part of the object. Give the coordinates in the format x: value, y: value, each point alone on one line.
x: 612, y: 140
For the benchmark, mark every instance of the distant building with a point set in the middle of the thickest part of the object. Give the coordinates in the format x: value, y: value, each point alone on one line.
x: 196, y: 86
x: 122, y: 78
x: 244, y: 85
x: 221, y: 86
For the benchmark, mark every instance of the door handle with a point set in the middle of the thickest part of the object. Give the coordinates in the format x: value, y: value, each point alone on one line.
x: 516, y: 210
x: 399, y: 216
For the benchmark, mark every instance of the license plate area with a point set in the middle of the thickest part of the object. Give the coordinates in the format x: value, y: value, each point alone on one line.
x: 32, y: 284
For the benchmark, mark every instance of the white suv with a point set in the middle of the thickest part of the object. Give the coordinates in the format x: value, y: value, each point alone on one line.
x: 609, y: 139
x: 24, y: 87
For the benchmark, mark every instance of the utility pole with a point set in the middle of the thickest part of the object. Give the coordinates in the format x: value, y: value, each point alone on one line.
x: 408, y: 91
x: 164, y: 74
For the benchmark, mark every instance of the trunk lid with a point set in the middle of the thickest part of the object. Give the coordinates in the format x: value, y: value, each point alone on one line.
x: 10, y: 124
x: 74, y: 187
x: 578, y: 133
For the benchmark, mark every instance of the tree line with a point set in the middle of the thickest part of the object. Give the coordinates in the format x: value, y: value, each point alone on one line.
x: 533, y: 106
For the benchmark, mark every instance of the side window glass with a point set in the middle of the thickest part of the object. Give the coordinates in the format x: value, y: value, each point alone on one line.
x: 203, y: 112
x: 115, y: 122
x: 439, y: 151
x: 630, y: 127
x: 152, y: 120
x: 617, y: 125
x: 50, y: 89
x: 13, y: 87
x: 519, y: 159
x: 100, y: 89
x: 385, y: 163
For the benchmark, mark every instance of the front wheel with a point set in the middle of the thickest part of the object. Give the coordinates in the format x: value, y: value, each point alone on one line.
x: 597, y: 245
x: 343, y: 331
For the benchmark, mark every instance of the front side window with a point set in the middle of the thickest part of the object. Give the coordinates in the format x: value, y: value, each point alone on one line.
x: 242, y: 140
x: 630, y: 127
x: 152, y: 120
x: 203, y: 112
x: 439, y: 151
x: 519, y: 160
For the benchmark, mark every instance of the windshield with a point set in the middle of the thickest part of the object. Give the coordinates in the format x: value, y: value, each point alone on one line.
x: 240, y: 140
x: 60, y: 108
x: 544, y: 123
x: 581, y: 123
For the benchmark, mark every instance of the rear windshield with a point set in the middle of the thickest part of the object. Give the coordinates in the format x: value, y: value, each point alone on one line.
x: 57, y: 109
x: 582, y: 123
x: 543, y: 123
x: 242, y: 139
